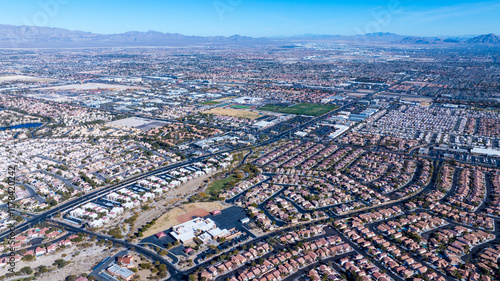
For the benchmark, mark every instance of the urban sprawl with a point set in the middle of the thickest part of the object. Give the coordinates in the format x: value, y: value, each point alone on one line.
x: 309, y: 161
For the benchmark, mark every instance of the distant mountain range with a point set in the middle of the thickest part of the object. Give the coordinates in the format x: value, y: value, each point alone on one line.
x: 47, y: 37
x: 395, y: 38
x: 485, y: 39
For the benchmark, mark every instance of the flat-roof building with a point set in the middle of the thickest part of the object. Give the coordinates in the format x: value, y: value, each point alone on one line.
x: 187, y: 231
x: 121, y: 272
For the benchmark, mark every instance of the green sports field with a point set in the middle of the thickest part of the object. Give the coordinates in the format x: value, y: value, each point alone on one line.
x: 241, y: 106
x: 301, y: 108
x: 210, y: 102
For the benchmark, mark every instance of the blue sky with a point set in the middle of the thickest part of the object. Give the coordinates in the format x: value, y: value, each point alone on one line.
x: 259, y: 18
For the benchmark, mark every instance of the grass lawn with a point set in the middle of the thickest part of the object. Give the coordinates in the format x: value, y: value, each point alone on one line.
x: 301, y: 108
x: 219, y: 184
x: 241, y: 106
x: 210, y: 102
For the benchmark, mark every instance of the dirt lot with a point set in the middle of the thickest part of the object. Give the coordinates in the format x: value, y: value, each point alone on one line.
x: 225, y: 99
x: 233, y: 112
x: 169, y: 219
x: 24, y: 78
x: 406, y: 97
x: 144, y: 274
x: 190, y: 187
x: 81, y: 263
x: 189, y: 216
x: 92, y: 86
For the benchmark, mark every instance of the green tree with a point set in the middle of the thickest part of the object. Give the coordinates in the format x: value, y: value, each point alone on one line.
x: 26, y: 270
x: 60, y: 263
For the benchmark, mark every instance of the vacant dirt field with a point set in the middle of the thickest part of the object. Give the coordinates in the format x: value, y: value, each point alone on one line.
x: 92, y: 86
x: 81, y: 263
x: 24, y: 78
x: 190, y: 186
x: 169, y: 219
x: 189, y: 216
x: 406, y: 97
x: 224, y: 99
x: 233, y: 112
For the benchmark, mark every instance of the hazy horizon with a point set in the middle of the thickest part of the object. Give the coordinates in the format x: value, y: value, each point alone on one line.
x: 269, y: 36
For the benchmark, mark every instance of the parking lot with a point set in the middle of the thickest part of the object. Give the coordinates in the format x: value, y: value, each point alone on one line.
x: 162, y: 242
